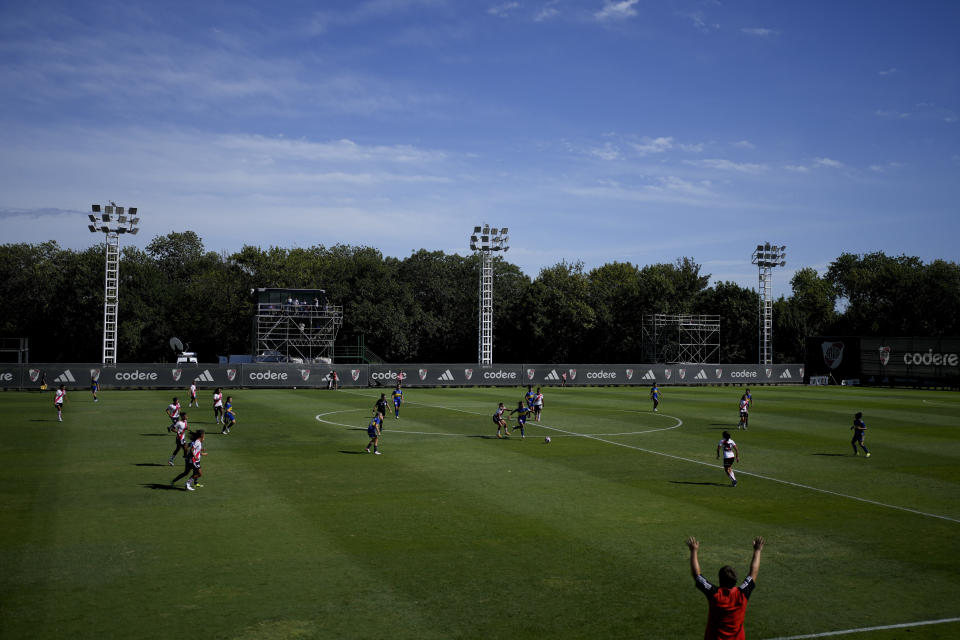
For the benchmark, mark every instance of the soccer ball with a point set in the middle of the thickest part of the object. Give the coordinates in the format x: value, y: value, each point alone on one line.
x: 546, y: 440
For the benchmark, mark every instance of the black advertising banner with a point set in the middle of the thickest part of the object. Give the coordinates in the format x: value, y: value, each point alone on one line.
x: 10, y: 376
x: 441, y: 375
x: 663, y: 374
x: 911, y: 359
x: 837, y: 356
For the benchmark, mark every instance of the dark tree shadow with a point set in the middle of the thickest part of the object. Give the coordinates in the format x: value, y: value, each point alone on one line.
x: 161, y: 486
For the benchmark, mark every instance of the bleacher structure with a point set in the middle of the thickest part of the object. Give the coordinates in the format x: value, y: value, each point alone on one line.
x: 681, y: 338
x: 295, y: 325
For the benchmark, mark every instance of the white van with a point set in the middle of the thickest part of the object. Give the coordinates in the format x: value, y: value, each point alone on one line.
x: 187, y: 357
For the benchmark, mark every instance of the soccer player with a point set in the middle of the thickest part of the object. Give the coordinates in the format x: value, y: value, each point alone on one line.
x: 381, y: 406
x: 731, y: 454
x: 191, y: 456
x: 744, y: 412
x: 229, y: 416
x: 180, y: 436
x: 523, y: 412
x: 858, y: 428
x: 218, y: 405
x: 193, y: 395
x: 58, y: 400
x: 563, y: 379
x: 500, y: 422
x: 529, y: 397
x: 538, y: 404
x: 373, y: 430
x: 173, y: 412
x: 655, y: 395
x: 749, y: 397
x: 397, y: 396
x: 94, y: 387
x: 727, y: 602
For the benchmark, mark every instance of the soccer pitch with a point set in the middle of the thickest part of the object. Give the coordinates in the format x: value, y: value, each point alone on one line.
x: 452, y: 533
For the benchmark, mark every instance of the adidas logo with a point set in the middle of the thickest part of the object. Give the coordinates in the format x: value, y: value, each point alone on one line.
x: 552, y: 375
x: 786, y: 374
x: 446, y: 376
x: 66, y: 376
x: 701, y: 376
x: 206, y: 376
x: 649, y: 375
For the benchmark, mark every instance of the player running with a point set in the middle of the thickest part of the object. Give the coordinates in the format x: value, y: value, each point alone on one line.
x: 397, y: 396
x: 655, y: 395
x: 218, y: 405
x: 523, y: 412
x: 94, y: 387
x: 191, y: 456
x: 537, y: 405
x: 858, y: 428
x: 529, y: 397
x: 180, y: 437
x: 173, y: 412
x: 193, y: 395
x: 744, y: 412
x: 731, y: 454
x: 500, y: 422
x: 58, y: 400
x: 229, y: 416
x: 373, y: 430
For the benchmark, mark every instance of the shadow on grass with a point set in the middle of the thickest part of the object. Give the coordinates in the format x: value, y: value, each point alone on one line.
x: 161, y: 486
x: 149, y: 464
x: 486, y: 437
x: 353, y: 452
x: 832, y: 455
x: 705, y: 484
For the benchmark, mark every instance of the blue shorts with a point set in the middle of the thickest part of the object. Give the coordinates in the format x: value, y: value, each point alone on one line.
x: 229, y: 416
x: 521, y: 419
x: 372, y: 432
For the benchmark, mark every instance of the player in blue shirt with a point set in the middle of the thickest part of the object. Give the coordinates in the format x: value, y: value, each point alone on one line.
x: 655, y: 395
x: 94, y: 387
x: 397, y: 396
x: 522, y: 414
x: 858, y: 428
x: 373, y: 430
x: 229, y: 416
x: 530, y: 396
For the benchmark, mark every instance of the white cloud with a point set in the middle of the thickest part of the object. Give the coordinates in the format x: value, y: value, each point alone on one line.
x: 547, y: 12
x: 760, y: 32
x: 744, y: 144
x: 889, y: 166
x: 503, y: 10
x: 617, y: 10
x: 796, y: 168
x: 607, y: 152
x: 881, y: 113
x: 828, y: 162
x: 887, y: 72
x: 728, y: 165
x: 692, y: 148
x: 656, y: 145
x: 700, y: 23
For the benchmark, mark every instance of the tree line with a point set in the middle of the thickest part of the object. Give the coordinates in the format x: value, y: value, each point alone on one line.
x: 423, y: 308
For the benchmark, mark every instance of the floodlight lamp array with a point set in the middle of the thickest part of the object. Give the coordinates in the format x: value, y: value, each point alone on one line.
x: 487, y: 238
x: 770, y: 255
x: 113, y: 219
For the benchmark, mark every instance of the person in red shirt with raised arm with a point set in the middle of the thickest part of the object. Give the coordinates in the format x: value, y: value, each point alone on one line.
x: 728, y: 602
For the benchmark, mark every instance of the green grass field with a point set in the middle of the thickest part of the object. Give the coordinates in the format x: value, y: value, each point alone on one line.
x: 452, y: 533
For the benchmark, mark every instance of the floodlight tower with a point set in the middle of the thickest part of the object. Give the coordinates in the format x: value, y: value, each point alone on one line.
x: 112, y: 221
x: 766, y: 257
x: 487, y: 240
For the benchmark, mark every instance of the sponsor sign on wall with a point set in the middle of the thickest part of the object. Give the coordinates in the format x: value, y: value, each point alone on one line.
x: 836, y: 356
x: 908, y: 358
x: 10, y: 376
x: 441, y: 375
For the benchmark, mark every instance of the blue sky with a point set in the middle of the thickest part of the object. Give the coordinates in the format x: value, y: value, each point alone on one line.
x: 597, y: 130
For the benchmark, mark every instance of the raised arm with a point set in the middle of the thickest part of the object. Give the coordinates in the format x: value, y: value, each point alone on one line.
x: 755, y: 562
x: 694, y: 562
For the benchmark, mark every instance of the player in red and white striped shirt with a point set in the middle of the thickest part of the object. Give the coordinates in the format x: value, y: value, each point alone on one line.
x: 58, y: 401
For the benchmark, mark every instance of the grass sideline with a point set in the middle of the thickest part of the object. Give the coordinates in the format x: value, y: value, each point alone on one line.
x: 452, y: 533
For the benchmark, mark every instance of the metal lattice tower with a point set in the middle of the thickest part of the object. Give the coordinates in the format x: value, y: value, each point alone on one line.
x: 486, y: 240
x: 681, y: 338
x: 112, y: 221
x: 766, y: 257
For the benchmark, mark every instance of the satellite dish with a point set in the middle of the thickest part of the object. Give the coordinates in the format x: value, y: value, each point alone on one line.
x: 175, y: 344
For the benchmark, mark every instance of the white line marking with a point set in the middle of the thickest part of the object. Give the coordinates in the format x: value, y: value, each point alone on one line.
x: 905, y: 625
x: 598, y: 438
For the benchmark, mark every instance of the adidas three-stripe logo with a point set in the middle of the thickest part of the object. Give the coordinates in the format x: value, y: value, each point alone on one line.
x: 206, y: 376
x: 701, y: 376
x: 552, y: 375
x: 786, y: 374
x: 446, y: 376
x: 66, y: 376
x: 649, y: 375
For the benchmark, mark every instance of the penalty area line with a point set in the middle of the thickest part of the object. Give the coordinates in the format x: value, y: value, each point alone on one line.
x: 843, y: 632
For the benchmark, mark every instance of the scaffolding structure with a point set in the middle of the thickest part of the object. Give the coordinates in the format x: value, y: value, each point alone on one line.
x: 681, y: 338
x: 296, y: 331
x: 486, y: 241
x: 19, y: 346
